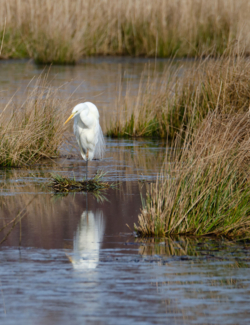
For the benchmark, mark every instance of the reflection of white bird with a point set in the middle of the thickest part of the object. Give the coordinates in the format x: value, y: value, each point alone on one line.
x: 88, y: 132
x: 87, y: 240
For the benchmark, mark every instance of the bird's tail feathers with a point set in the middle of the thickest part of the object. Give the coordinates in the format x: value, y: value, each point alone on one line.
x: 100, y: 146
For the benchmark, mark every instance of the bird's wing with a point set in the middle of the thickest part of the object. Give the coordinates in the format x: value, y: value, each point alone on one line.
x: 77, y: 132
x: 100, y: 145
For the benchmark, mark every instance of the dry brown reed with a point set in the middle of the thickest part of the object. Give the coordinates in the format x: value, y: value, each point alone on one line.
x: 63, y: 31
x: 33, y: 130
x: 163, y: 104
x: 144, y: 113
x: 206, y: 191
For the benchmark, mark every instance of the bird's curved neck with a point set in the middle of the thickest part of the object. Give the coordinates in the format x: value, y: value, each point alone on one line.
x: 86, y: 118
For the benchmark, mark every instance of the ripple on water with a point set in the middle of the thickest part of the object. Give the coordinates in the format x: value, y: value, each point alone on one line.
x: 124, y: 285
x: 79, y: 262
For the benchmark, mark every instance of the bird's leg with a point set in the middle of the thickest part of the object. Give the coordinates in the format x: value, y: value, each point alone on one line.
x: 87, y: 208
x: 87, y: 156
x: 86, y: 170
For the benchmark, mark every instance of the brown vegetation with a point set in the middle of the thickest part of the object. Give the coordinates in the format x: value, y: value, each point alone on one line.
x: 33, y: 130
x: 63, y: 31
x: 206, y: 191
x: 163, y: 105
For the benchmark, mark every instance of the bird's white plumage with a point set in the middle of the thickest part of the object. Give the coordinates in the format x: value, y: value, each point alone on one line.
x: 88, y: 131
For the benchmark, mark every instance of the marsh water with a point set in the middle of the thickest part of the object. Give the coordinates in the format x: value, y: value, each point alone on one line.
x: 74, y: 259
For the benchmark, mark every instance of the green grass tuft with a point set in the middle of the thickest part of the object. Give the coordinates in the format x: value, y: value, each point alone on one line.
x: 206, y: 190
x: 166, y: 104
x: 63, y: 184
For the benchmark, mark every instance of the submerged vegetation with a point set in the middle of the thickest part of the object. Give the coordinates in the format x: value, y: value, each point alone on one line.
x: 206, y: 191
x: 34, y: 129
x: 64, y: 31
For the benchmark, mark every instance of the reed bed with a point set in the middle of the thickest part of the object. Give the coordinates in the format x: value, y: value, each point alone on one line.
x: 206, y: 191
x: 34, y: 129
x: 63, y: 31
x: 165, y: 104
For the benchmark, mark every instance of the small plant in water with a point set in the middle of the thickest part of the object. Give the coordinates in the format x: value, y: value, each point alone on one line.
x: 63, y: 184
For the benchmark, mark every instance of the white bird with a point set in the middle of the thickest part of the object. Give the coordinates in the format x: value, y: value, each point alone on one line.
x: 88, y: 132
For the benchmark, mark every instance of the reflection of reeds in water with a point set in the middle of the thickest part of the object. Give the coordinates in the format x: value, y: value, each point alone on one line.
x: 207, y: 280
x: 9, y: 226
x: 205, y: 249
x: 42, y: 215
x: 87, y: 240
x: 49, y: 219
x: 168, y: 246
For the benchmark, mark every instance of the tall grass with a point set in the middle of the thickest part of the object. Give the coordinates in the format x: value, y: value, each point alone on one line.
x: 162, y: 105
x: 206, y: 191
x: 33, y: 130
x: 62, y: 31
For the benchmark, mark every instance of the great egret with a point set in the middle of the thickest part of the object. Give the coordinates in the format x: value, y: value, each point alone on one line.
x: 88, y: 132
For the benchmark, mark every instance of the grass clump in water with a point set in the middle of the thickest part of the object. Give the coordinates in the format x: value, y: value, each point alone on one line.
x: 63, y: 184
x: 165, y: 105
x: 33, y: 130
x: 207, y: 189
x: 148, y: 113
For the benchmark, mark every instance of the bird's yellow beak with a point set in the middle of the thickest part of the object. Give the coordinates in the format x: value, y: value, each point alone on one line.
x: 72, y: 115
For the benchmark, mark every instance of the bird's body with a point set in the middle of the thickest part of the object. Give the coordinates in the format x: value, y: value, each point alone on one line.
x: 88, y: 131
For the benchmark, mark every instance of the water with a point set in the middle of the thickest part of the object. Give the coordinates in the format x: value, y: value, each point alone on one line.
x: 74, y: 259
x: 96, y: 80
x: 99, y: 80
